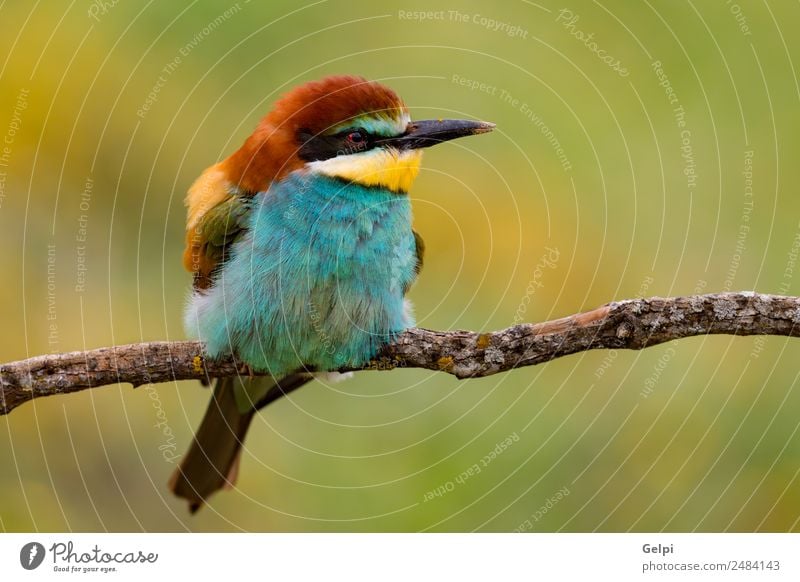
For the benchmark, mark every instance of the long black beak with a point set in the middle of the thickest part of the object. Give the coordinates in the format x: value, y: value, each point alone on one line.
x: 423, y: 134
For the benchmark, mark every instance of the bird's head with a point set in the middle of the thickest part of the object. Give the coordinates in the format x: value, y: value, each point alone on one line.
x: 344, y: 127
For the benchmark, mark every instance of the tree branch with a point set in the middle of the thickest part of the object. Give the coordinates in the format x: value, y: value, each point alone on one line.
x: 631, y: 324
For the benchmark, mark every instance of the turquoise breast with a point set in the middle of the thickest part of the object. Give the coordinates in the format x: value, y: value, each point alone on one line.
x: 317, y: 280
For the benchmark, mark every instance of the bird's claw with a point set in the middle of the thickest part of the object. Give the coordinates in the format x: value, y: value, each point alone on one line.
x: 246, y: 369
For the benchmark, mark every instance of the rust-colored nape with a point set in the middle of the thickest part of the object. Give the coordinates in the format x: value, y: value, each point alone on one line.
x: 271, y: 151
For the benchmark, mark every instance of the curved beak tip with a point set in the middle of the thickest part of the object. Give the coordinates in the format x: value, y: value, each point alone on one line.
x: 484, y: 127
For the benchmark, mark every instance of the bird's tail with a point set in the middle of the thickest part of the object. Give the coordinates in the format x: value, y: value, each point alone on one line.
x: 212, y: 462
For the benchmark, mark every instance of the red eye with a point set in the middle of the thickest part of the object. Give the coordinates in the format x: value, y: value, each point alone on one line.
x: 355, y: 137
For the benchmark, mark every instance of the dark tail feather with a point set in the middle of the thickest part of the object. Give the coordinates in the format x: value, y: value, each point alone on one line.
x: 213, y: 459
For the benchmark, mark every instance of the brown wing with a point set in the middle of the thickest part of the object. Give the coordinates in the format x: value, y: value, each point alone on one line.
x: 216, y: 216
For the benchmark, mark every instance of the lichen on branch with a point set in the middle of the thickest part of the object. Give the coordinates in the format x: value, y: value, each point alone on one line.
x: 630, y: 324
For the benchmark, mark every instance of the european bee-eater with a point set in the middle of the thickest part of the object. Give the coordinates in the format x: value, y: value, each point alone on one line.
x: 302, y: 251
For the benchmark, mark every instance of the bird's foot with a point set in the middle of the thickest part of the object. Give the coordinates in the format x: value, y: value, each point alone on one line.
x: 246, y: 369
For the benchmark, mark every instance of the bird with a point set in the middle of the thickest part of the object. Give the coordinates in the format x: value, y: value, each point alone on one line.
x: 301, y: 250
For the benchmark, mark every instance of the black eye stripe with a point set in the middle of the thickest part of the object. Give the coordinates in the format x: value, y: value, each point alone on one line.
x: 322, y: 147
x: 346, y: 134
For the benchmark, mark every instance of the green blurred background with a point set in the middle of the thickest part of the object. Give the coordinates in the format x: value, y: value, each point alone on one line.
x: 582, y: 196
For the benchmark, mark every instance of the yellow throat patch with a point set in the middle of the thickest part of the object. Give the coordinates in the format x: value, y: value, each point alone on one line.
x: 387, y: 168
